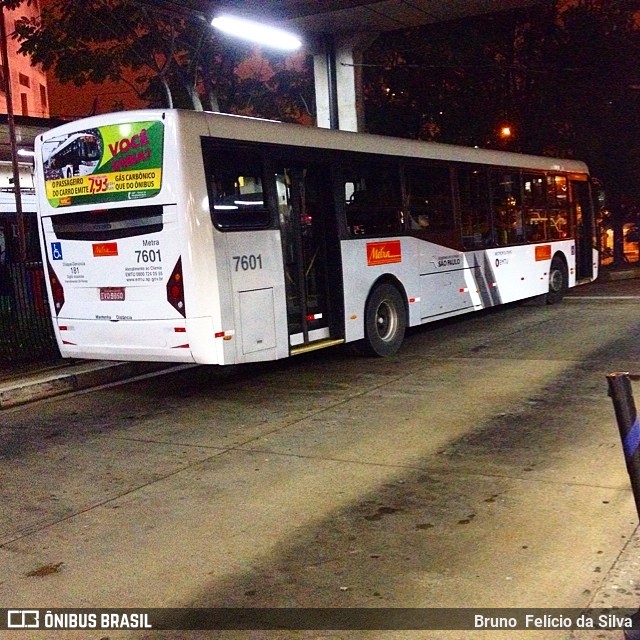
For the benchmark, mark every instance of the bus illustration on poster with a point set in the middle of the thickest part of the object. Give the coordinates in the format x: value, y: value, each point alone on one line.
x: 74, y: 155
x: 104, y: 164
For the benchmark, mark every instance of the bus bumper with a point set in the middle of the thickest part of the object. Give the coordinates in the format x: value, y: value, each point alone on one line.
x: 136, y: 340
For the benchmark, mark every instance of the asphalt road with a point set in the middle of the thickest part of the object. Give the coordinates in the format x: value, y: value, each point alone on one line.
x: 480, y: 467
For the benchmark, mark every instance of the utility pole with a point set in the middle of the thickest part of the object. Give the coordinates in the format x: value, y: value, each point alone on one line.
x: 4, y: 56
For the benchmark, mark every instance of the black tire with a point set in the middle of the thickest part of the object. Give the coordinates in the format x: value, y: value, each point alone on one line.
x: 558, y: 281
x: 385, y: 320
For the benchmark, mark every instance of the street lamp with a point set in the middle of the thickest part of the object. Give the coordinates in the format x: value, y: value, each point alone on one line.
x: 257, y: 32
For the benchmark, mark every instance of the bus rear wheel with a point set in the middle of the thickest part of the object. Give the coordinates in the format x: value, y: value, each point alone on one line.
x: 558, y: 281
x: 385, y: 320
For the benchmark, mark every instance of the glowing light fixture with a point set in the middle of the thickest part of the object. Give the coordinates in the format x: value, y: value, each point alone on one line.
x: 257, y: 32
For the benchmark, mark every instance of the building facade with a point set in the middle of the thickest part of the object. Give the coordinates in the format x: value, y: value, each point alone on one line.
x: 28, y: 83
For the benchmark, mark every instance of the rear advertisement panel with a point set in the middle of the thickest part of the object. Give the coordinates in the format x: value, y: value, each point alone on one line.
x: 104, y: 164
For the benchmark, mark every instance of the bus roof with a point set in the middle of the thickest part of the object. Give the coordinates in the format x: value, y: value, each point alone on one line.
x: 269, y: 131
x: 249, y: 129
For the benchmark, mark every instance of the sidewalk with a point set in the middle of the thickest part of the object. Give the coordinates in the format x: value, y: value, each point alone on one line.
x: 625, y: 272
x: 28, y: 383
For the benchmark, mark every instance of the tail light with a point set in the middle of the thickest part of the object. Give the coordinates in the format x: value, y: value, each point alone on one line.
x: 57, y: 290
x: 175, y: 288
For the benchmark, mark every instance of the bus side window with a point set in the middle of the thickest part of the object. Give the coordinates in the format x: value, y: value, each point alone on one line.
x: 534, y: 202
x: 507, y: 207
x: 236, y: 195
x: 373, y: 201
x: 558, y: 198
x: 429, y: 198
x: 475, y: 208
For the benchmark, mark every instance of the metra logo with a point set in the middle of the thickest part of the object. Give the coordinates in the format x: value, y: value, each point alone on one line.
x: 105, y: 249
x: 384, y: 252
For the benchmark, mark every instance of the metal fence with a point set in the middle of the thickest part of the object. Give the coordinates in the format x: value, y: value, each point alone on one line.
x: 26, y: 333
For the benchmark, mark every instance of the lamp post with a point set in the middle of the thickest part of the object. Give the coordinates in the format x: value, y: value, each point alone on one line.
x: 4, y: 56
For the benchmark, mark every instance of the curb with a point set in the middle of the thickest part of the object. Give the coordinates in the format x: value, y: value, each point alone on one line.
x: 72, y: 378
x: 623, y: 274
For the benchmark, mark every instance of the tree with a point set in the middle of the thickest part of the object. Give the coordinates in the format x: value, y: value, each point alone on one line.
x: 117, y: 40
x: 600, y: 46
x: 288, y: 94
x: 461, y: 80
x: 165, y: 52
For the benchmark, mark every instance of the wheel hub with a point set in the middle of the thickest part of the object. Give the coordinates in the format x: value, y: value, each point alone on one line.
x: 386, y: 320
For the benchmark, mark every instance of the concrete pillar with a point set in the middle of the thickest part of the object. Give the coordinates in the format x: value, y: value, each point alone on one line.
x: 337, y: 67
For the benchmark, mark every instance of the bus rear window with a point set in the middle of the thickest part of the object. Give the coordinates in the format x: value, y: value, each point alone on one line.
x: 108, y: 225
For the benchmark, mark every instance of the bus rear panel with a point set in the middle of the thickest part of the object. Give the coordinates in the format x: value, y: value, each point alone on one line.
x: 111, y: 235
x: 116, y: 282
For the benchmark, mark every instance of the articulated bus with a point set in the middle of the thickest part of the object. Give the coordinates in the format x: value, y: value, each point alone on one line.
x: 209, y: 238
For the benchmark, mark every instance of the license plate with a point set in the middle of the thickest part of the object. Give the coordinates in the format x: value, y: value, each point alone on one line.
x: 112, y: 293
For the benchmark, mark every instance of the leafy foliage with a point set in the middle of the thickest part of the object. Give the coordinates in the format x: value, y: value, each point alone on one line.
x: 556, y: 74
x: 166, y: 53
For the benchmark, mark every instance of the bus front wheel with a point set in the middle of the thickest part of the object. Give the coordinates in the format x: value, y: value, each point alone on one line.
x: 558, y: 281
x: 385, y: 320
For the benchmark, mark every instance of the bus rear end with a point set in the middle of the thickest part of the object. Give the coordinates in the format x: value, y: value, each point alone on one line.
x: 110, y: 235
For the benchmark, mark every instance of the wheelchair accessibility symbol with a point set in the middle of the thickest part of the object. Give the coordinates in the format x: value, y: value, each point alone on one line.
x: 56, y: 250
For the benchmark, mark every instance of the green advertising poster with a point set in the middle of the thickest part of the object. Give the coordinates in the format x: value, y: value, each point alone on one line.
x: 105, y: 164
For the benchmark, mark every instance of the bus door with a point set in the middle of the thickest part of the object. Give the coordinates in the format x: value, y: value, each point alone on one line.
x: 309, y: 244
x: 585, y: 228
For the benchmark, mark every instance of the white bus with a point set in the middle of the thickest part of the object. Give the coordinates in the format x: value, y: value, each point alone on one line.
x: 209, y: 238
x: 9, y: 238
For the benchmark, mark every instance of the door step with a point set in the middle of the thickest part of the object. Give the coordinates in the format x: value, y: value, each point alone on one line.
x: 314, y: 346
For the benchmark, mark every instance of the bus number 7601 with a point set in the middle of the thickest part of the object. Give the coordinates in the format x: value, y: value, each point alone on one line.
x: 248, y: 263
x: 148, y: 255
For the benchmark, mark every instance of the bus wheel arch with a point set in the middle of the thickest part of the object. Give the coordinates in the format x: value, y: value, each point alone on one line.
x: 385, y: 317
x: 558, y: 278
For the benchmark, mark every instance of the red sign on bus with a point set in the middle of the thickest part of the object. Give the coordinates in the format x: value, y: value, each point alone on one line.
x: 105, y: 249
x: 384, y: 252
x: 543, y: 252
